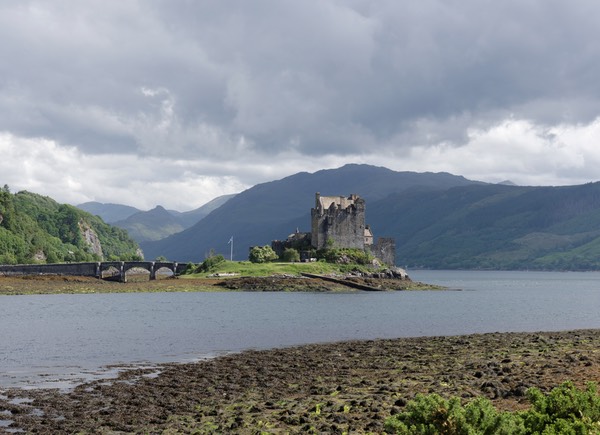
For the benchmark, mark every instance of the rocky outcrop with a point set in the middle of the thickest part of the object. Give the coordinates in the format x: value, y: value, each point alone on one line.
x: 91, y: 239
x: 391, y: 273
x: 39, y: 257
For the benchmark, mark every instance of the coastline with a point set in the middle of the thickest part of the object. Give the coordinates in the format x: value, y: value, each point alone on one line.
x: 53, y: 284
x: 349, y: 386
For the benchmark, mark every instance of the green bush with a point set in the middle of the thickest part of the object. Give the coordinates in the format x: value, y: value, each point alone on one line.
x: 210, y: 264
x: 431, y: 414
x: 189, y: 269
x: 262, y: 254
x: 290, y: 255
x: 565, y: 410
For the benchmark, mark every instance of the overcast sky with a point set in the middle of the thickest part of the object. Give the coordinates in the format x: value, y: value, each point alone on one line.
x: 176, y: 102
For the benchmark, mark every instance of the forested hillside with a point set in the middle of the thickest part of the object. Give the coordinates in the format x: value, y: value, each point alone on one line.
x: 494, y: 227
x: 37, y: 229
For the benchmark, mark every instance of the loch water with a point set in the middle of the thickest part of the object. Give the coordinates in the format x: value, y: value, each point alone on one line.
x: 54, y: 340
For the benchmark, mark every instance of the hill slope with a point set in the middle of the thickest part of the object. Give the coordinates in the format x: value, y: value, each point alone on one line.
x: 273, y: 210
x: 154, y: 224
x: 188, y: 218
x: 494, y: 227
x: 35, y: 228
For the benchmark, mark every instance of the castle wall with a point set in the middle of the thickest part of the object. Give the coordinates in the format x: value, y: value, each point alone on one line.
x: 342, y: 219
x: 339, y: 219
x: 385, y: 250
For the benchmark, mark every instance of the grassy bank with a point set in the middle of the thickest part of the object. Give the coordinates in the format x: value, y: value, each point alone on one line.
x: 246, y: 268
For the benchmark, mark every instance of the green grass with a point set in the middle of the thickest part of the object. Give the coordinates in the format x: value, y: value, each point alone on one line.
x: 246, y: 268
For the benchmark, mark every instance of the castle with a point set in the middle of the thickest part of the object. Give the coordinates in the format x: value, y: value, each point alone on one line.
x: 338, y: 221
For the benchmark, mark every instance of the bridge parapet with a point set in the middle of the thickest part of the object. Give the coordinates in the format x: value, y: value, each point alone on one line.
x: 75, y: 269
x: 94, y: 269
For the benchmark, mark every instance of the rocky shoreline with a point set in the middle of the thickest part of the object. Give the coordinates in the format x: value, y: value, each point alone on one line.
x: 50, y: 284
x: 324, y: 388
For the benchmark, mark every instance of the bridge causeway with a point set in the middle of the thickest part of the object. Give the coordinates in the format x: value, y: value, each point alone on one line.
x: 115, y: 269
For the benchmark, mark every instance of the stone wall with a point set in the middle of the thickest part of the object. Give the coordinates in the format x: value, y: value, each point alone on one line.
x: 94, y: 269
x: 78, y: 269
x: 385, y: 250
x: 339, y: 219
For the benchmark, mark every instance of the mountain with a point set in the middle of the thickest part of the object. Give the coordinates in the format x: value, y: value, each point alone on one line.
x: 275, y: 209
x: 493, y: 227
x: 37, y: 229
x: 108, y: 212
x: 154, y: 224
x: 188, y: 218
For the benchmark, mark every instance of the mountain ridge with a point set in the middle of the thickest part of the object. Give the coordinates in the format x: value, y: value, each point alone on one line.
x: 109, y: 212
x: 274, y: 209
x: 439, y: 221
x: 154, y: 224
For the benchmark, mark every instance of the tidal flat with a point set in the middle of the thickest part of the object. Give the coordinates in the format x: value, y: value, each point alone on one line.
x: 341, y: 387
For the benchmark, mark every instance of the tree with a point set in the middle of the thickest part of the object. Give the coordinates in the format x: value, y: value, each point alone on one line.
x: 210, y: 264
x: 7, y: 208
x: 290, y: 255
x: 262, y: 254
x: 69, y: 231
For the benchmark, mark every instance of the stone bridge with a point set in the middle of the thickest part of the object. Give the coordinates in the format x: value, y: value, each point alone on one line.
x: 103, y: 269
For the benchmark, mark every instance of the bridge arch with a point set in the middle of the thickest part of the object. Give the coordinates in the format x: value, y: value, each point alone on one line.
x: 151, y: 266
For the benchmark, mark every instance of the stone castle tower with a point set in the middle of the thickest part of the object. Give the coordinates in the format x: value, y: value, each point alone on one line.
x: 341, y: 220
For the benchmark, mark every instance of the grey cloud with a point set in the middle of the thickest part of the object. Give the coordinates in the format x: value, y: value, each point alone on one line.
x: 318, y: 77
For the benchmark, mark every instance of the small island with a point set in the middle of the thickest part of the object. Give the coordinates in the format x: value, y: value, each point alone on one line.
x: 225, y: 275
x: 338, y: 253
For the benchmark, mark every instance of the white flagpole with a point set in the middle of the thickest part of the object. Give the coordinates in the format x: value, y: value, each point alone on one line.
x: 231, y: 252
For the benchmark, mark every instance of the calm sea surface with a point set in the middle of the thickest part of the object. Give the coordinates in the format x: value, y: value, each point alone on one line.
x: 50, y: 339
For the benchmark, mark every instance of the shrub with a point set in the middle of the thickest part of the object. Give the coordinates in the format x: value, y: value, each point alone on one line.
x: 189, y: 268
x: 431, y: 414
x: 210, y: 264
x: 290, y: 255
x: 262, y: 254
x: 565, y: 410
